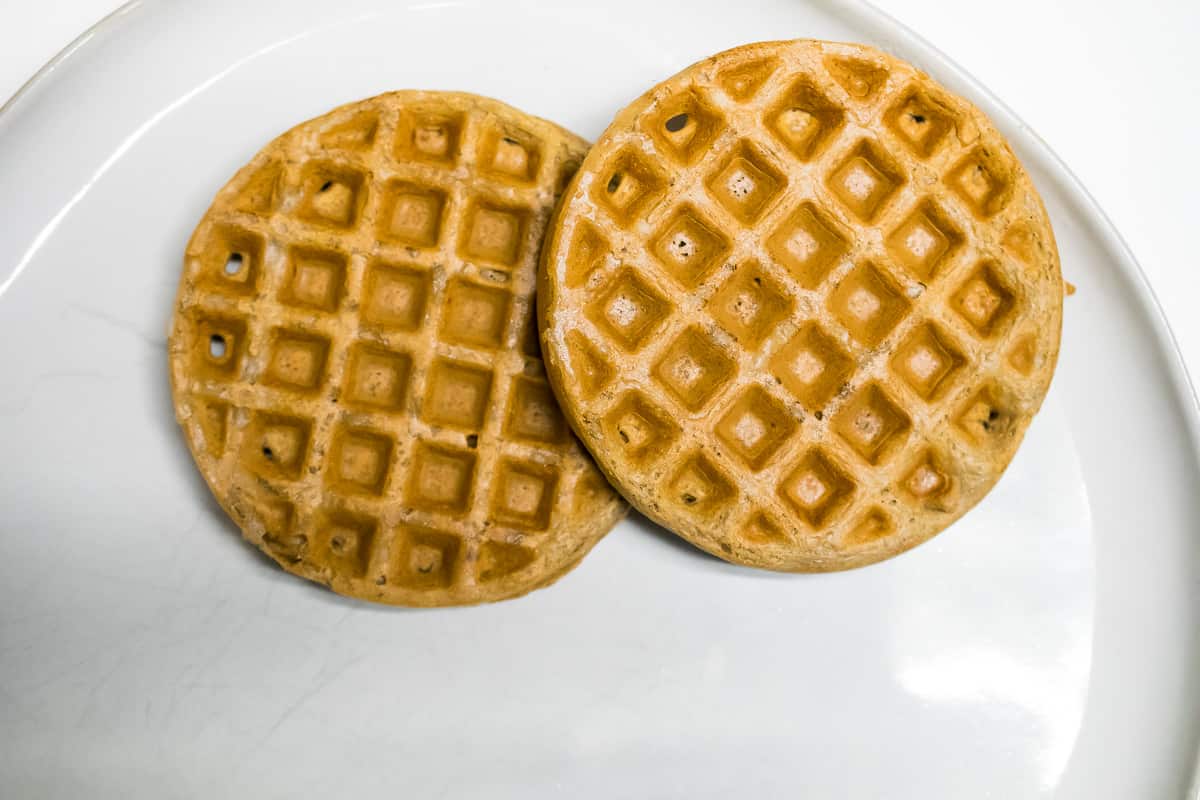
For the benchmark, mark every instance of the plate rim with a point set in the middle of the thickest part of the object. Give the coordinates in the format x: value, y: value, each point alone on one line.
x: 893, y: 36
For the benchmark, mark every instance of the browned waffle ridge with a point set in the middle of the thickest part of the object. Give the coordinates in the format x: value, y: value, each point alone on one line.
x: 354, y: 358
x: 801, y: 302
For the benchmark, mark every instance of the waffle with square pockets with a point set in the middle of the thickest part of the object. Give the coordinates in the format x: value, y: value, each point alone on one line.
x: 354, y: 358
x: 801, y: 302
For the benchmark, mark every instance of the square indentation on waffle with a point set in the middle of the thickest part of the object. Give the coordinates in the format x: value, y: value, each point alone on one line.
x: 808, y: 243
x: 1022, y: 242
x: 533, y: 414
x: 982, y: 179
x: 332, y: 194
x: 589, y: 367
x: 872, y: 424
x: 296, y: 360
x: 689, y: 247
x: 497, y: 560
x: 357, y: 133
x: 221, y: 343
x: 742, y: 81
x: 531, y: 342
x: 750, y: 304
x: 395, y: 296
x: 279, y: 537
x: 588, y: 253
x: 985, y: 300
x: 344, y: 542
x: 493, y: 232
x: 475, y: 315
x: 862, y: 79
x: 261, y: 191
x: 641, y: 430
x: 746, y: 183
x: 755, y: 427
x: 1024, y: 356
x: 213, y: 418
x: 629, y: 310
x: 629, y: 187
x: 427, y: 134
x: 694, y: 368
x: 509, y: 154
x: 817, y: 488
x: 423, y: 558
x: 866, y: 179
x: 231, y: 259
x: 987, y: 416
x: 590, y: 489
x: 412, y: 214
x: 921, y: 121
x: 457, y: 395
x: 761, y: 529
x: 869, y: 303
x: 803, y: 119
x: 315, y: 278
x: 812, y: 366
x: 441, y: 478
x: 872, y: 526
x: 359, y: 460
x: 376, y: 378
x: 925, y: 242
x: 699, y: 486
x: 928, y: 480
x: 276, y: 445
x: 524, y: 495
x: 928, y: 361
x: 684, y: 125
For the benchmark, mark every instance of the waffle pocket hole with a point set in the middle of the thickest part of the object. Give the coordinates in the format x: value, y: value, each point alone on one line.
x: 992, y: 421
x: 676, y: 123
x: 218, y: 346
x: 684, y: 126
x: 633, y: 186
x: 987, y: 416
x: 230, y: 259
x: 683, y: 247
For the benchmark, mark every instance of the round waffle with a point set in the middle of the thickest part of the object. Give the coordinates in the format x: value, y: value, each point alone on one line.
x: 354, y: 359
x: 801, y: 303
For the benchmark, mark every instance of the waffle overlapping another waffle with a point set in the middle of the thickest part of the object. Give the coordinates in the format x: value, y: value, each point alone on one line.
x: 354, y: 358
x: 801, y: 303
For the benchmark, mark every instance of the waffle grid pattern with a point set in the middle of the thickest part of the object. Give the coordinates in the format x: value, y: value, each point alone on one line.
x: 805, y: 295
x: 361, y: 365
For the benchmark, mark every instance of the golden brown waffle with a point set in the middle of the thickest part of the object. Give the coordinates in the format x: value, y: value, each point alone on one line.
x: 354, y: 359
x: 801, y: 303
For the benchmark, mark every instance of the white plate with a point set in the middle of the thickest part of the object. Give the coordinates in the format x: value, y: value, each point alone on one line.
x: 1046, y: 645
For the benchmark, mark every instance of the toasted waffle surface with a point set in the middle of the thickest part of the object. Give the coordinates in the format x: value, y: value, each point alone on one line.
x: 801, y: 302
x: 354, y: 358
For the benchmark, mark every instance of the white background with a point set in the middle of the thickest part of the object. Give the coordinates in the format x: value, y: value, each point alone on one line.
x: 1114, y: 88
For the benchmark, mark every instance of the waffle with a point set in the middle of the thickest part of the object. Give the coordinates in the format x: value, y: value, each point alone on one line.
x: 354, y: 360
x: 801, y: 303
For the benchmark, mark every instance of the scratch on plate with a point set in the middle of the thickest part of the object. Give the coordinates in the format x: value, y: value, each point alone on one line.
x: 27, y: 398
x: 120, y: 323
x: 292, y: 708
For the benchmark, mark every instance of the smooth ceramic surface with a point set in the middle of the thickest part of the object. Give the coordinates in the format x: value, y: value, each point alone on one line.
x: 1048, y: 645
